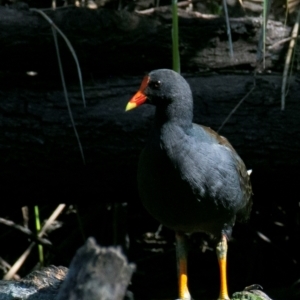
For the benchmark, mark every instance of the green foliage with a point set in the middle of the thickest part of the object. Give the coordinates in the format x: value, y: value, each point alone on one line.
x: 175, y: 38
x: 215, y: 8
x: 38, y: 229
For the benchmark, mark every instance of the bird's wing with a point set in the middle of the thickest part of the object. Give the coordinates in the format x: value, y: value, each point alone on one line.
x: 245, y: 184
x: 215, y: 136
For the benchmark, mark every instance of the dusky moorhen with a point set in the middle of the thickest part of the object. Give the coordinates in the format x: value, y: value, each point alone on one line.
x: 189, y: 177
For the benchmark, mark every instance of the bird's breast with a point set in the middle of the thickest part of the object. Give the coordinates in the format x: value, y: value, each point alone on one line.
x: 172, y: 199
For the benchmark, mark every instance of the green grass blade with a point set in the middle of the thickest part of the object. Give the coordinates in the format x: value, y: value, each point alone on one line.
x: 261, y: 52
x: 288, y: 60
x: 70, y: 48
x: 265, y: 21
x: 228, y: 28
x: 55, y: 29
x: 175, y: 38
x: 38, y: 229
x: 66, y: 96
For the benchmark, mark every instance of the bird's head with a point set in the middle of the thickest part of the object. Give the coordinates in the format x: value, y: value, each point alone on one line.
x: 165, y: 89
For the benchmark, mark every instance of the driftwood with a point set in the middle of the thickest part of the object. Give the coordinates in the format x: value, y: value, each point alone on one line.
x: 26, y: 231
x: 39, y: 285
x: 36, y: 122
x: 95, y: 273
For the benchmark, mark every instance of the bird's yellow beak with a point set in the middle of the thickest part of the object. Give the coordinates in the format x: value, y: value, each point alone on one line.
x: 139, y: 98
x: 130, y: 106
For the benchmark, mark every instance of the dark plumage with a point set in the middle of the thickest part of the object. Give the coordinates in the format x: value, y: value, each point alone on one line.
x: 189, y: 178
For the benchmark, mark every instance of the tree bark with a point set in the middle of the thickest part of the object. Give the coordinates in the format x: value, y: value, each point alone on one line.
x: 38, y: 285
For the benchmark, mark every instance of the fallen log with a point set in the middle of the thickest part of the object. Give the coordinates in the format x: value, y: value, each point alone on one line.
x: 95, y: 273
x: 111, y: 42
x: 39, y: 285
x: 40, y: 155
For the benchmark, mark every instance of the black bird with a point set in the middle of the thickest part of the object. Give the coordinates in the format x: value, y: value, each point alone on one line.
x: 189, y: 178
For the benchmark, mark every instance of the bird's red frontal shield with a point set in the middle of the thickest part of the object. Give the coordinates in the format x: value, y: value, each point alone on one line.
x: 139, y: 98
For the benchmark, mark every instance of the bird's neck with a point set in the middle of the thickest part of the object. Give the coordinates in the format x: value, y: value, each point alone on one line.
x: 173, y: 141
x: 174, y: 116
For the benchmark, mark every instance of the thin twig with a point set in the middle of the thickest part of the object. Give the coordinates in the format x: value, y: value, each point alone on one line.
x: 228, y: 29
x: 175, y: 37
x: 52, y: 218
x: 180, y: 4
x: 17, y: 265
x: 54, y: 30
x: 151, y: 10
x: 70, y: 48
x: 288, y: 60
x: 25, y: 216
x: 261, y: 47
x: 237, y: 106
x: 6, y: 266
x: 26, y: 231
x: 66, y: 95
x: 278, y: 43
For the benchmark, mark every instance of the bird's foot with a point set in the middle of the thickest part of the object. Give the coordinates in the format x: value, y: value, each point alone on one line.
x: 184, y: 293
x: 222, y: 255
x: 185, y: 297
x: 181, y: 254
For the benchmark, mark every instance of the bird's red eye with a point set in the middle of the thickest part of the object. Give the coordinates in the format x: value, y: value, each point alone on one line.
x: 154, y: 84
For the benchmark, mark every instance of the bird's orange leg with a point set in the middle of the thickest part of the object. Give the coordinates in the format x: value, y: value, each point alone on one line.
x: 181, y: 254
x: 221, y: 250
